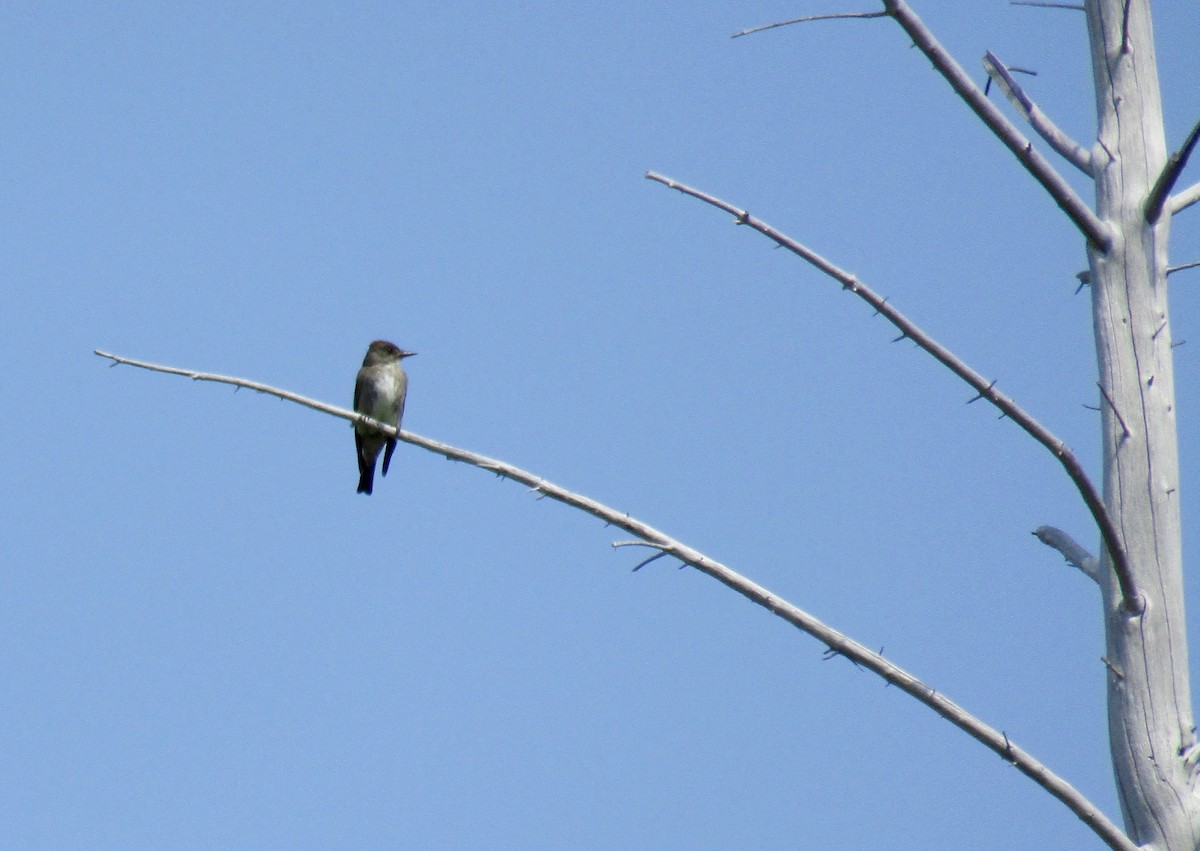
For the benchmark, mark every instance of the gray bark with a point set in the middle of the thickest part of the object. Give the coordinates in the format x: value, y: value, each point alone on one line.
x: 1151, y: 729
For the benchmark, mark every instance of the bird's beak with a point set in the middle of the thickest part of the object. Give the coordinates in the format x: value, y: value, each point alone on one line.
x: 404, y: 355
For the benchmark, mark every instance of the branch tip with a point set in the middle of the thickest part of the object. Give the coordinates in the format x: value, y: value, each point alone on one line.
x: 1064, y: 145
x: 1074, y: 553
x: 808, y: 18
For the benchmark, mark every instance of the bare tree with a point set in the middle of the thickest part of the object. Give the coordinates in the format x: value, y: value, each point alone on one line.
x: 1140, y: 569
x: 1136, y: 509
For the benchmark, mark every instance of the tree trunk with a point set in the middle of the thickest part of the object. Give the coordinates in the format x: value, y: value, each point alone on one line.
x: 1151, y: 730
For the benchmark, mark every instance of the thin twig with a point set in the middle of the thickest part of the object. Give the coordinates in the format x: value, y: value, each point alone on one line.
x: 646, y: 561
x: 1170, y: 173
x: 662, y: 551
x: 1072, y: 6
x: 1067, y: 147
x: 1132, y: 599
x: 1112, y: 406
x: 1097, y: 232
x: 249, y: 385
x: 831, y: 638
x: 807, y: 18
x: 1112, y: 668
x: 1070, y: 549
x: 1173, y: 269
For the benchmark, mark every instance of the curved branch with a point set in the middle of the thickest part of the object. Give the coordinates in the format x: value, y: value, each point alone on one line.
x: 834, y: 640
x: 1097, y: 231
x: 1055, y: 137
x: 1133, y: 601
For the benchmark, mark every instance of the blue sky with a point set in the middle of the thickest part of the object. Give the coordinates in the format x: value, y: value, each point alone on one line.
x: 209, y: 640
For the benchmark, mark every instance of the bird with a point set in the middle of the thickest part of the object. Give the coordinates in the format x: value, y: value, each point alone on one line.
x: 379, y: 392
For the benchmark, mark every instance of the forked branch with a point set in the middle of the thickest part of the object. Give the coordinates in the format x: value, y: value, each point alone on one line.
x: 1066, y: 147
x: 837, y: 643
x: 1096, y: 231
x: 1133, y: 601
x: 1077, y: 210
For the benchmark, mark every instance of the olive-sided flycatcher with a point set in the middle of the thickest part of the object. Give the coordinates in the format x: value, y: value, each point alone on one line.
x: 379, y: 393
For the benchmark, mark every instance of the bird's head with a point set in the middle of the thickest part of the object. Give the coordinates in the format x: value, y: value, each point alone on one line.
x: 381, y: 351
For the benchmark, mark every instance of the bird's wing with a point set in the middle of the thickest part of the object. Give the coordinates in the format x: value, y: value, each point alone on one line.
x: 364, y: 394
x: 400, y: 396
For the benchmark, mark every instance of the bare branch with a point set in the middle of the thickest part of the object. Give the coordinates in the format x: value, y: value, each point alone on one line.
x: 1066, y: 147
x: 1133, y: 601
x: 249, y: 385
x: 1112, y: 406
x: 1075, y: 7
x: 1186, y: 198
x: 1182, y: 266
x: 807, y: 18
x: 1097, y: 232
x: 1125, y: 27
x: 1112, y: 668
x: 1070, y: 549
x: 831, y: 638
x: 1161, y: 192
